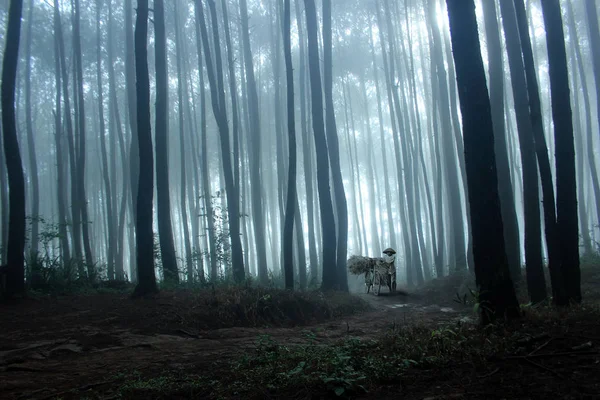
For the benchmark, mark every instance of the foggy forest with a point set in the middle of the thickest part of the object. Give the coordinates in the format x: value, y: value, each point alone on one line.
x: 290, y: 163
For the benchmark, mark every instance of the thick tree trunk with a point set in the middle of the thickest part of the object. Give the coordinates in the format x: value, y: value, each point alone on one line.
x: 15, y: 271
x: 566, y: 191
x: 491, y: 265
x: 306, y: 151
x: 505, y: 188
x: 533, y: 241
x: 330, y: 272
x: 145, y: 195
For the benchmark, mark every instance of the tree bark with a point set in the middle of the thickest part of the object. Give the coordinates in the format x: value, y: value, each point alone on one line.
x: 163, y: 206
x: 329, y: 260
x: 491, y: 266
x: 15, y: 271
x: 254, y: 150
x: 505, y: 188
x: 218, y: 105
x: 33, y: 169
x: 533, y: 241
x: 144, y: 234
x: 566, y: 188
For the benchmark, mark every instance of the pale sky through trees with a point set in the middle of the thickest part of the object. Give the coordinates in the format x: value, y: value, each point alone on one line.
x: 394, y: 110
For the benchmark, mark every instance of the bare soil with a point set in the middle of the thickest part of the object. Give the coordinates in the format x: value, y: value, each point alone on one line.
x: 85, y: 346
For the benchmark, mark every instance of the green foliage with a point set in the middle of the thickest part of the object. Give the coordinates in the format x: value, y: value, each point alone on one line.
x: 479, y: 305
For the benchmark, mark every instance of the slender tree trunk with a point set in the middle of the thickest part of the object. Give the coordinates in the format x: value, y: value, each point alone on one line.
x: 4, y: 211
x: 15, y: 269
x: 330, y: 272
x: 165, y: 229
x: 81, y: 156
x: 290, y: 205
x: 505, y: 188
x: 182, y: 152
x: 594, y: 40
x: 61, y: 190
x: 591, y: 158
x: 254, y: 150
x: 145, y: 195
x: 491, y: 265
x: 218, y: 104
x: 134, y: 157
x: 334, y: 152
x: 205, y: 166
x: 566, y: 191
x: 306, y: 151
x: 533, y: 244
x: 386, y: 177
x: 451, y: 168
x: 33, y: 169
x: 105, y: 167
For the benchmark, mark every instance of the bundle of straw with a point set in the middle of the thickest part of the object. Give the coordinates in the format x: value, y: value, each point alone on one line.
x: 359, y: 264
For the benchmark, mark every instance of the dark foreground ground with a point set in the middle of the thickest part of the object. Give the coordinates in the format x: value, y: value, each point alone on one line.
x: 185, y: 344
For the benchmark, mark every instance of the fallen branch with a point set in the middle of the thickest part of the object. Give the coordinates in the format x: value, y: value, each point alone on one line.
x: 544, y: 368
x: 540, y: 347
x: 488, y: 374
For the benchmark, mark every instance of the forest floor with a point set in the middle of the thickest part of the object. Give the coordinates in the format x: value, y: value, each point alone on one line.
x: 420, y: 345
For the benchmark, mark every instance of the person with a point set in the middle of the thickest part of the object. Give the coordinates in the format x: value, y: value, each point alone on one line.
x: 389, y: 257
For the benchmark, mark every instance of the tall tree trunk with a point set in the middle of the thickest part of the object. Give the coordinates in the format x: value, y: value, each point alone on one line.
x: 451, y: 168
x: 110, y: 248
x: 182, y: 152
x: 81, y: 156
x: 34, y: 176
x: 210, y: 231
x: 533, y: 241
x: 290, y: 205
x: 535, y: 112
x: 505, y: 188
x: 386, y: 177
x: 254, y: 150
x: 3, y: 203
x: 144, y: 234
x: 306, y: 151
x: 61, y: 190
x: 15, y: 269
x: 491, y: 265
x: 218, y: 105
x: 134, y: 157
x: 165, y: 229
x: 341, y: 205
x: 566, y: 191
x: 330, y: 272
x: 75, y: 215
x: 591, y: 158
x: 594, y: 40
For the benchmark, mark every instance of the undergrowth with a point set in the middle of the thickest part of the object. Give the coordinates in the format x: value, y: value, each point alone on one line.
x: 353, y: 366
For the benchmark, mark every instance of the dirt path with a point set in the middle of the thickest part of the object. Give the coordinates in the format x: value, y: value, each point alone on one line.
x: 86, y: 348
